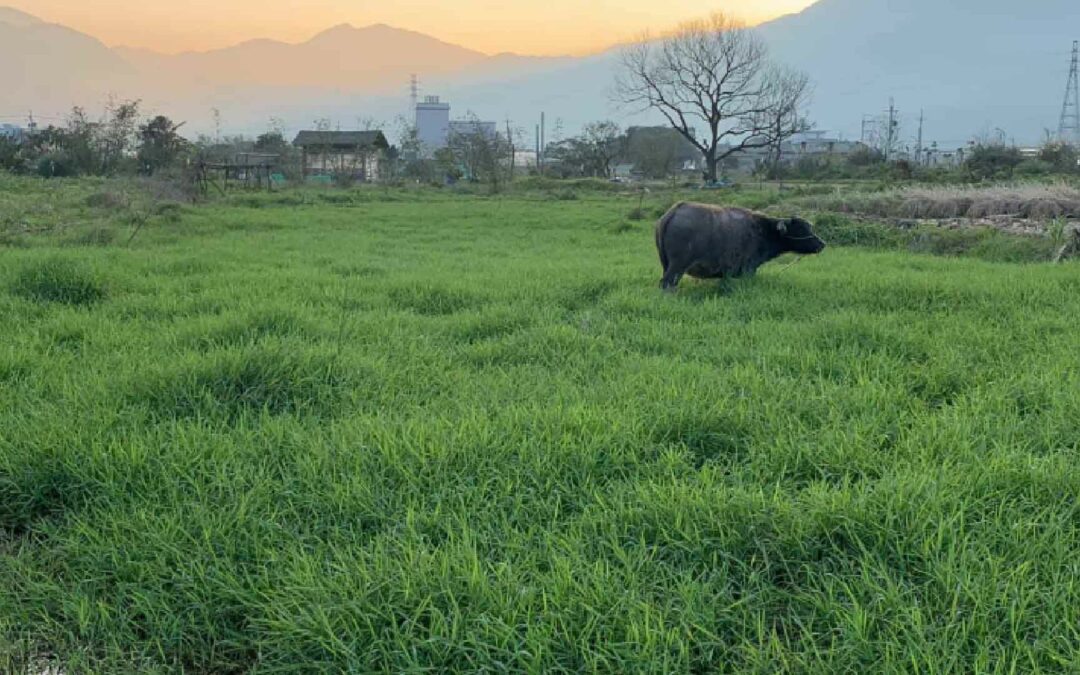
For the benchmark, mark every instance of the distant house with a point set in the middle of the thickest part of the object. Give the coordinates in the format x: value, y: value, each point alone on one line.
x: 354, y: 154
x: 808, y: 145
x: 525, y: 159
x: 11, y: 132
x: 942, y: 157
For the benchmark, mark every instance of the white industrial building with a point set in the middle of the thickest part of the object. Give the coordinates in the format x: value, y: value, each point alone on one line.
x: 434, y: 129
x: 432, y: 125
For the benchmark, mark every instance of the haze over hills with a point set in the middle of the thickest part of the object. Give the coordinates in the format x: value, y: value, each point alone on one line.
x: 371, y: 58
x: 48, y: 67
x: 973, y: 65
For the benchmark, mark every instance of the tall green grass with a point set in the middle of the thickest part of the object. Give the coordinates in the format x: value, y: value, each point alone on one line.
x: 470, y: 434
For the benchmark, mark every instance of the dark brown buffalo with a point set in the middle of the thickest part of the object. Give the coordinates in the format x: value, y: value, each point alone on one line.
x: 714, y: 242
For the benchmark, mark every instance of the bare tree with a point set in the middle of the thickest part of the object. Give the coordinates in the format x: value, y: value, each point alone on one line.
x: 717, y: 73
x: 784, y: 96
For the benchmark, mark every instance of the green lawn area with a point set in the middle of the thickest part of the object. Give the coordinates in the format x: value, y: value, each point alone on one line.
x: 439, y: 433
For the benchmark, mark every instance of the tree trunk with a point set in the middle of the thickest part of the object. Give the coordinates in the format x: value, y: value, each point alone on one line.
x: 710, y: 167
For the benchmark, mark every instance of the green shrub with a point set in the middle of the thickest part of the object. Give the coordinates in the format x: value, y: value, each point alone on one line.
x: 838, y: 230
x: 993, y: 161
x: 1034, y: 167
x: 170, y: 212
x: 57, y: 165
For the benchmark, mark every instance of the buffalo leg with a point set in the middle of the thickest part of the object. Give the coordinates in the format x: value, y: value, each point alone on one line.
x: 671, y: 279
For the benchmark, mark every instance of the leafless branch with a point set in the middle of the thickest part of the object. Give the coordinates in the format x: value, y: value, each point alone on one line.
x: 713, y: 74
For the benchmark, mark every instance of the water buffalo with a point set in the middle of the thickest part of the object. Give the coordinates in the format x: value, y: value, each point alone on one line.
x: 714, y: 242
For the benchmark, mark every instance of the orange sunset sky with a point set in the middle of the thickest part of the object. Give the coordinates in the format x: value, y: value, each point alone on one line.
x: 525, y: 26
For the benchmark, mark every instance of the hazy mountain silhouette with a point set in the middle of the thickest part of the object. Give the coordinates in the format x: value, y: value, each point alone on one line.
x: 51, y: 67
x: 973, y: 65
x: 342, y: 57
x: 14, y: 17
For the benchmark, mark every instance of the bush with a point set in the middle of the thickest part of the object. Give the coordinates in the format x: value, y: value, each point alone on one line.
x: 11, y: 158
x: 864, y: 156
x: 990, y: 162
x: 169, y: 212
x: 1034, y: 167
x: 57, y: 165
x: 1061, y: 157
x: 58, y: 280
x: 902, y: 169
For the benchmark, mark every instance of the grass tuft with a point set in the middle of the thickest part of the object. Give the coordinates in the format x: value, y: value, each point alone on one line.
x: 95, y: 236
x: 108, y: 200
x: 59, y: 280
x: 230, y: 385
x: 433, y: 300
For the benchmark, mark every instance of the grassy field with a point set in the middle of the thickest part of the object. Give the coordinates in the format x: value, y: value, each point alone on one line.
x: 392, y: 432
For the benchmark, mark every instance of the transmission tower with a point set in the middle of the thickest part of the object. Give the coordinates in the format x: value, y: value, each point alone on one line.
x: 1069, y: 128
x: 414, y: 92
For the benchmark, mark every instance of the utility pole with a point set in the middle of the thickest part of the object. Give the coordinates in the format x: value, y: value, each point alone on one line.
x: 890, y: 133
x: 1069, y: 127
x: 510, y: 142
x: 31, y: 125
x: 918, y: 148
x: 543, y: 141
x: 539, y: 169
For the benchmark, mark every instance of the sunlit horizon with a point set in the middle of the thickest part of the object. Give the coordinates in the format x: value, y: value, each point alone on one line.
x: 550, y: 28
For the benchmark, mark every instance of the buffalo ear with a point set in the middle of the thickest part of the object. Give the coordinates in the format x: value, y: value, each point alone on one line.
x: 781, y: 226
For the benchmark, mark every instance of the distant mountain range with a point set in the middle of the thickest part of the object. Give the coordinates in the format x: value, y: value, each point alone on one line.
x: 973, y: 66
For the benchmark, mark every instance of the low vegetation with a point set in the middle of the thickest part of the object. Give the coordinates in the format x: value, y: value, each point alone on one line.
x: 58, y: 279
x: 462, y: 433
x: 1038, y: 201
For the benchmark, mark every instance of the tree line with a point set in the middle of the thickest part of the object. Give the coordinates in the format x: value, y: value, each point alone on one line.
x: 119, y: 142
